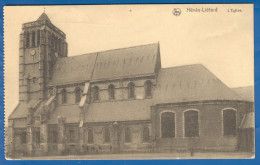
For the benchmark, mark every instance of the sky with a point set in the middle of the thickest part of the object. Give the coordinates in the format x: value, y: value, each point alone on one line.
x: 222, y: 41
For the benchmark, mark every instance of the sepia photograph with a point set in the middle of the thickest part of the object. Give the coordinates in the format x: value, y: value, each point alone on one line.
x: 106, y: 82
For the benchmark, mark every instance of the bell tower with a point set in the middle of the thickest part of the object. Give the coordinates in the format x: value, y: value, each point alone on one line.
x: 41, y: 43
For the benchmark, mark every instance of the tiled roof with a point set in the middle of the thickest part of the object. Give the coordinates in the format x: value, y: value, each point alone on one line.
x: 245, y: 92
x: 20, y: 123
x: 73, y: 69
x: 190, y: 83
x: 105, y: 112
x: 119, y: 111
x: 248, y: 121
x: 44, y: 17
x: 70, y: 112
x: 127, y: 62
x: 22, y: 109
x: 111, y: 64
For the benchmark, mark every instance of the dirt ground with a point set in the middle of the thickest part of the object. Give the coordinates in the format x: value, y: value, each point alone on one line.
x: 215, y: 155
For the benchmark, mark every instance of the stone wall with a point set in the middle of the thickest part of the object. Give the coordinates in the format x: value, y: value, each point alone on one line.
x: 121, y: 90
x: 116, y: 144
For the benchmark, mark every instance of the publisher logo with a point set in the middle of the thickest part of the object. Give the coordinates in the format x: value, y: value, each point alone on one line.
x: 176, y: 11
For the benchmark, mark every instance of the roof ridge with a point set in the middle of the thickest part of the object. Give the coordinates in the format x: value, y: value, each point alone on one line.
x: 114, y: 49
x: 74, y: 56
x: 180, y: 66
x: 44, y: 16
x: 247, y: 86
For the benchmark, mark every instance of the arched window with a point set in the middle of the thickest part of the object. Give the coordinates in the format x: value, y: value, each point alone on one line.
x: 191, y: 123
x: 55, y: 136
x: 131, y: 90
x: 52, y: 40
x: 168, y: 125
x: 55, y: 43
x: 95, y: 93
x: 229, y: 122
x: 146, y: 134
x: 127, y: 135
x: 72, y: 136
x: 62, y: 46
x: 64, y: 96
x: 148, y: 88
x: 77, y: 95
x: 33, y: 38
x: 38, y: 37
x: 59, y: 44
x: 90, y: 136
x: 37, y: 137
x: 106, y: 135
x: 111, y: 91
x: 27, y: 39
x: 34, y: 80
x: 23, y: 137
x: 65, y: 48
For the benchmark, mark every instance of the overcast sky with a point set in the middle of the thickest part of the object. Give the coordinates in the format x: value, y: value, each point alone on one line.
x: 221, y: 41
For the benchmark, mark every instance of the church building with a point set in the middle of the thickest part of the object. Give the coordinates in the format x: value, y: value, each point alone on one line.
x: 119, y: 101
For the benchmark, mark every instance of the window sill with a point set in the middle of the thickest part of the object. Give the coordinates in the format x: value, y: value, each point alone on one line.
x: 72, y: 143
x: 107, y: 143
x: 168, y: 138
x: 197, y: 137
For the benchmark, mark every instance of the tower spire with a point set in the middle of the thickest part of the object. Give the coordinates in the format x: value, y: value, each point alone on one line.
x: 44, y: 16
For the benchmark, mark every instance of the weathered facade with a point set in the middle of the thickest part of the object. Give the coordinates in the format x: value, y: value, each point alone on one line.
x: 119, y: 101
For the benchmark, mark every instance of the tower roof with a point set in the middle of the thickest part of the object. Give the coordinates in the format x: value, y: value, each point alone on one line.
x: 44, y: 17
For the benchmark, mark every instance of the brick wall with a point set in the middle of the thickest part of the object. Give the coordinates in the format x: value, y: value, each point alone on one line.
x: 210, y: 127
